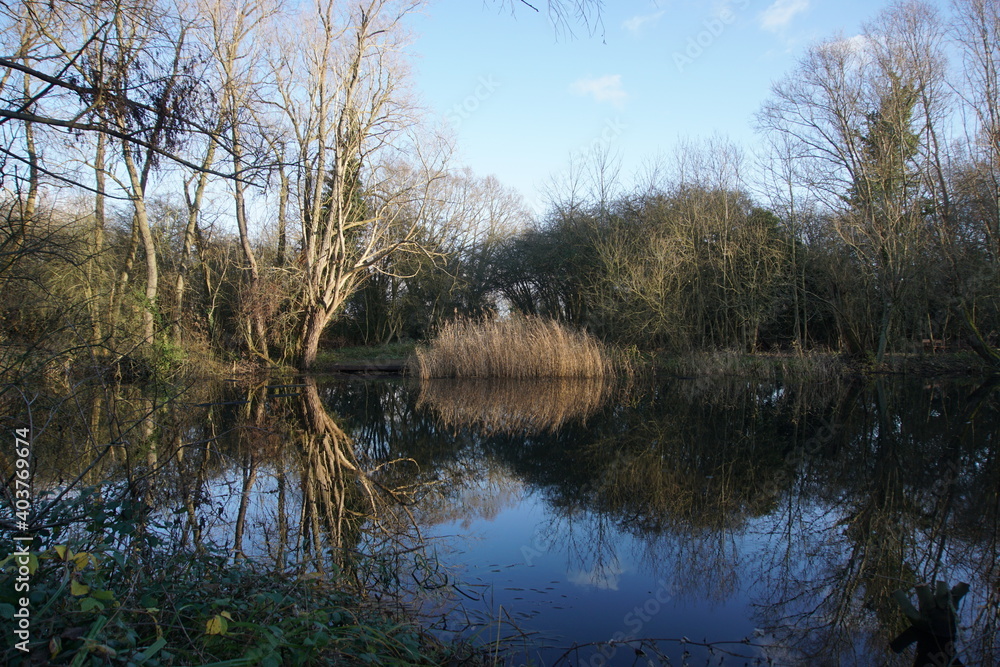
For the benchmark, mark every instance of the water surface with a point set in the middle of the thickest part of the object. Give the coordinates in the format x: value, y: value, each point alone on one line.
x: 702, y: 514
x: 722, y: 522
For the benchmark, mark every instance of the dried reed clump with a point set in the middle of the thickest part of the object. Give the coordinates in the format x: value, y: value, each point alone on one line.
x: 517, y: 348
x: 513, y: 407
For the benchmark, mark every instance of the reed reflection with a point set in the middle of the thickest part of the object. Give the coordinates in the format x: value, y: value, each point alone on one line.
x: 855, y: 492
x: 493, y: 406
x: 814, y: 502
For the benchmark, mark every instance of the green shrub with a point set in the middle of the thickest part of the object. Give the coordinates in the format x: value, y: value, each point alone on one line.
x: 112, y: 590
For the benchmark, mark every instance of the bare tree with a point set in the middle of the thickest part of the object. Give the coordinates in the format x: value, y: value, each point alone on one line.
x: 62, y: 99
x: 360, y: 195
x: 564, y: 13
x: 977, y: 30
x: 861, y: 116
x: 149, y: 53
x: 234, y: 40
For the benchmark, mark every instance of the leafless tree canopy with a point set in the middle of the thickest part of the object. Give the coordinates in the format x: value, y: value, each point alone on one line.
x: 255, y: 177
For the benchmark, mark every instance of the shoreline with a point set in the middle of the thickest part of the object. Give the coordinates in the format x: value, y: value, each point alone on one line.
x: 374, y: 360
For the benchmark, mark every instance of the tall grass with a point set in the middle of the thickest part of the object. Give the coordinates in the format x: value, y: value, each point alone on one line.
x: 515, y: 348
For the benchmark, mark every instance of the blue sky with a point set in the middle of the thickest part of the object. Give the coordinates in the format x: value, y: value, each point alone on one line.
x: 522, y: 98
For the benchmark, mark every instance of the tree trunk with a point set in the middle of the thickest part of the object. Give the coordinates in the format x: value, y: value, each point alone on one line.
x: 282, y: 210
x: 148, y: 246
x: 249, y: 478
x: 980, y: 346
x: 187, y: 251
x: 116, y: 297
x: 31, y: 202
x: 211, y: 290
x: 315, y: 322
x: 258, y: 332
x: 883, y: 334
x: 96, y: 242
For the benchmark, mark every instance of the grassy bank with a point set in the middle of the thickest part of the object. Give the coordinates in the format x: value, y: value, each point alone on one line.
x: 713, y: 363
x: 398, y: 351
x: 515, y: 348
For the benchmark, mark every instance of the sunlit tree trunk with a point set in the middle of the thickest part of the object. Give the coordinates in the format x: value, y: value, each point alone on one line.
x: 30, y: 202
x: 254, y: 295
x: 189, y: 241
x: 94, y: 262
x: 141, y: 221
x: 31, y: 150
x: 282, y: 209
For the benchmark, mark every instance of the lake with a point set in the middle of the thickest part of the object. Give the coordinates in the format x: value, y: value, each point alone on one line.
x: 675, y: 521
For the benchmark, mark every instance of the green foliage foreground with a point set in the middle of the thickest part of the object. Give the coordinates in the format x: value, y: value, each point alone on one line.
x: 112, y: 590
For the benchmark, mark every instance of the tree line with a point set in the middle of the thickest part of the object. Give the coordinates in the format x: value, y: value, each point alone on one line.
x: 253, y: 178
x: 229, y: 169
x: 871, y: 224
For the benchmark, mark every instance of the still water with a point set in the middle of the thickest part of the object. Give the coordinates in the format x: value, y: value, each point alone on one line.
x: 713, y: 522
x: 722, y: 522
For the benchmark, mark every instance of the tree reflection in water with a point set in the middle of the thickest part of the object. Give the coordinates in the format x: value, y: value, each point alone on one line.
x: 262, y: 468
x: 802, y: 507
x: 849, y: 493
x: 331, y: 513
x: 898, y: 483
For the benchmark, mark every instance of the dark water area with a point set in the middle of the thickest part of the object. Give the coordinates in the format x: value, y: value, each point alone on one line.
x: 705, y: 514
x: 720, y: 522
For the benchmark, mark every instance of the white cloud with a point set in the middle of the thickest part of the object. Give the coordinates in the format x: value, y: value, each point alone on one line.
x: 781, y: 13
x: 606, y: 88
x: 856, y: 45
x: 602, y: 577
x: 635, y: 24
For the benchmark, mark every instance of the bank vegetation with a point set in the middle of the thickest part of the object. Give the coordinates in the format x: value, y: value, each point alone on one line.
x: 222, y: 182
x: 245, y: 180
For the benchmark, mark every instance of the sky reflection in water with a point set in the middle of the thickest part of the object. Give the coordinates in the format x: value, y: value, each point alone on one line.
x: 716, y: 511
x: 785, y: 516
